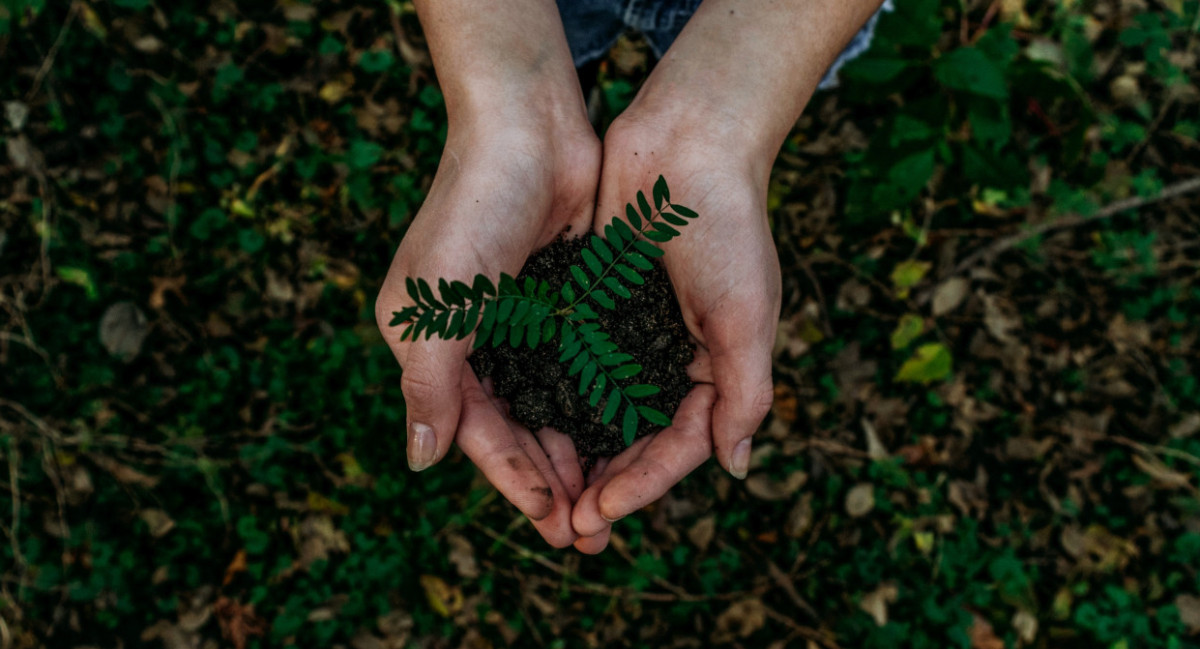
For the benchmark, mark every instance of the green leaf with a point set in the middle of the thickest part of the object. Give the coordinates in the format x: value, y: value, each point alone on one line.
x: 483, y: 286
x: 610, y: 408
x: 548, y: 329
x: 613, y: 236
x: 592, y: 262
x: 629, y: 274
x: 462, y: 290
x: 661, y: 193
x: 585, y: 379
x: 422, y: 323
x: 376, y: 61
x: 506, y: 310
x: 644, y: 206
x: 629, y: 422
x: 411, y: 285
x: 674, y: 219
x: 584, y: 312
x: 519, y: 312
x: 533, y: 335
x: 469, y: 319
x: 455, y: 328
x: 603, y: 299
x: 638, y: 260
x: 597, y: 392
x: 656, y: 235
x: 568, y: 291
x: 648, y: 249
x: 623, y: 228
x: 581, y: 277
x: 640, y: 390
x: 665, y: 229
x: 932, y: 362
x: 654, y: 416
x: 970, y: 70
x: 515, y: 335
x: 499, y: 332
x: 611, y: 359
x: 508, y: 285
x: 617, y: 287
x: 907, y: 274
x: 632, y: 215
x: 489, y: 315
x: 570, y: 350
x: 626, y: 371
x: 602, y: 348
x: 686, y: 212
x: 602, y: 249
x: 910, y: 327
x: 449, y: 296
x: 427, y: 293
x: 577, y: 365
x: 874, y: 70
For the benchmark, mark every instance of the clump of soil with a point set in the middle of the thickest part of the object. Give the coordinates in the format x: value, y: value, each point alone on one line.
x: 647, y: 326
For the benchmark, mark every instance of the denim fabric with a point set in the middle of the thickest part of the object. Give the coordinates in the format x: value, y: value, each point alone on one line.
x: 593, y: 26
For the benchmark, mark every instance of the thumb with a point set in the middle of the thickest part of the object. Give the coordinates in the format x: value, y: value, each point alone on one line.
x: 741, y: 367
x: 433, y: 398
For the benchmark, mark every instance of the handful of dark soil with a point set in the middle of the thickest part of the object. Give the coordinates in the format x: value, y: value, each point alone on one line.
x: 647, y: 326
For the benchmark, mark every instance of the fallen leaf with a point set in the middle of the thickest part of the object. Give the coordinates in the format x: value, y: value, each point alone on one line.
x: 445, y: 600
x: 237, y: 565
x: 761, y: 486
x: 238, y: 621
x: 875, y: 603
x: 1163, y: 476
x: 785, y: 404
x: 908, y: 274
x: 462, y: 555
x: 1000, y: 318
x: 1026, y: 625
x: 123, y: 329
x: 860, y: 500
x: 740, y: 620
x: 875, y: 448
x: 158, y: 521
x: 702, y: 531
x: 982, y: 635
x: 931, y: 362
x: 910, y: 327
x: 800, y: 518
x: 1189, y: 611
x: 949, y: 295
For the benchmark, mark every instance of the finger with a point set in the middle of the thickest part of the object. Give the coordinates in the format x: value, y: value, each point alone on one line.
x: 490, y: 443
x: 594, y: 544
x: 740, y: 354
x: 556, y: 527
x: 670, y: 456
x: 433, y: 372
x: 585, y: 518
x: 564, y: 459
x: 642, y: 474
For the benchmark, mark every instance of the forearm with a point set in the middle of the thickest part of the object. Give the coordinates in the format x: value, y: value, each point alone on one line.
x: 504, y: 60
x: 743, y: 70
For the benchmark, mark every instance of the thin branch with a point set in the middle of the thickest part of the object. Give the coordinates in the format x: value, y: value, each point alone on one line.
x: 48, y: 62
x: 1136, y: 202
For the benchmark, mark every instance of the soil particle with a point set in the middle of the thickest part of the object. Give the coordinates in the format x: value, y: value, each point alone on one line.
x: 648, y: 326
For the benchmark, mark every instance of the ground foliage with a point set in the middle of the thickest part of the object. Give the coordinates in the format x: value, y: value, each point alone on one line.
x: 987, y: 421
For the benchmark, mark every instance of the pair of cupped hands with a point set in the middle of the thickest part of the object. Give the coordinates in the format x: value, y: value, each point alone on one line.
x: 507, y: 187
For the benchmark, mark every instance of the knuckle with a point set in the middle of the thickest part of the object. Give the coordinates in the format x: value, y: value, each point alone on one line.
x: 420, y: 386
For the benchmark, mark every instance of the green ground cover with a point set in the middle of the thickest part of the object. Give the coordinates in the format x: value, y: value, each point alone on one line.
x: 987, y: 422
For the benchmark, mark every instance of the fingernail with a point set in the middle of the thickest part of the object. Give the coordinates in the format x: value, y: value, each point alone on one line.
x: 611, y: 520
x: 739, y: 464
x: 422, y: 447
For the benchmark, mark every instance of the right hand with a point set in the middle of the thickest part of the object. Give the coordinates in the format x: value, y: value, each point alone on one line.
x: 499, y: 194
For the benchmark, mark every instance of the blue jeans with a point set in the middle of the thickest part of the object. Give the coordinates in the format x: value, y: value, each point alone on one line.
x: 593, y: 26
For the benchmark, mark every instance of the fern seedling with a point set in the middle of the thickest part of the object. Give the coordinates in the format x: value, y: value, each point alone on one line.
x: 533, y: 313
